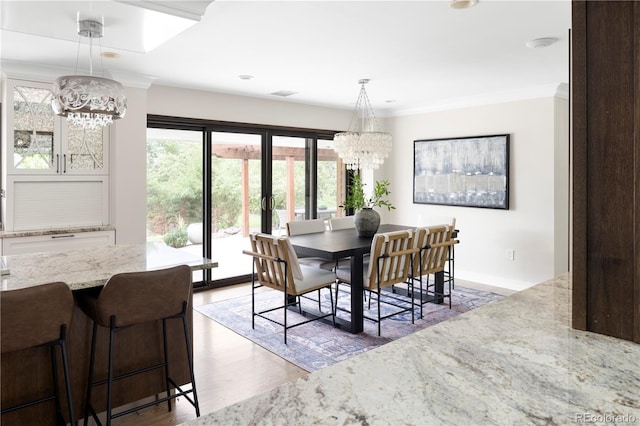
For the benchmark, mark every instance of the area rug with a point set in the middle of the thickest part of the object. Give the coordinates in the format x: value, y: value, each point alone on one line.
x: 317, y: 345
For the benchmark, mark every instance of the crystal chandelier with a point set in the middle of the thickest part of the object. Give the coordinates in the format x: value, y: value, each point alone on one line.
x: 85, y: 100
x: 363, y: 146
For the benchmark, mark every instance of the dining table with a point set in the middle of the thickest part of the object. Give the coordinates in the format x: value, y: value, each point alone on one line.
x: 345, y: 243
x: 86, y: 270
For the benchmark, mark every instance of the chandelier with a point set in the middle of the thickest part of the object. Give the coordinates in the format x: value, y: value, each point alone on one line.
x: 363, y: 146
x: 85, y: 100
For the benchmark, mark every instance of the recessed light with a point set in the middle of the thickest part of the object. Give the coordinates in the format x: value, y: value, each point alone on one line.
x: 110, y: 55
x: 245, y: 77
x: 541, y: 42
x: 462, y: 4
x: 284, y: 93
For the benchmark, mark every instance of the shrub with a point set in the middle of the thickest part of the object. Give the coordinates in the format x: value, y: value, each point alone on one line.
x: 176, y: 237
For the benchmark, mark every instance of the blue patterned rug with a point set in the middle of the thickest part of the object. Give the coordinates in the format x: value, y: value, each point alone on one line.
x: 317, y: 345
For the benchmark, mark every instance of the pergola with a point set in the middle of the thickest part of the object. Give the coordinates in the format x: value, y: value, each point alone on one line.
x: 290, y: 155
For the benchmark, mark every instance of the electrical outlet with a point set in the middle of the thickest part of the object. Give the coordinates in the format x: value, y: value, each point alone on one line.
x: 510, y: 254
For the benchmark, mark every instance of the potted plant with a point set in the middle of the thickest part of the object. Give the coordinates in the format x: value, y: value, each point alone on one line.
x: 366, y: 219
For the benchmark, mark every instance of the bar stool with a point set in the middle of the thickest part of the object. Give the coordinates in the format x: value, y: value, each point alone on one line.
x: 134, y: 298
x: 34, y: 317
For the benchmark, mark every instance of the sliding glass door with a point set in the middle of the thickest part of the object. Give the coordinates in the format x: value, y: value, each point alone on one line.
x: 211, y: 186
x: 236, y: 198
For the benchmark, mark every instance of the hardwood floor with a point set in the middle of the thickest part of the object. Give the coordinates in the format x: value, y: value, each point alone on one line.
x: 229, y: 368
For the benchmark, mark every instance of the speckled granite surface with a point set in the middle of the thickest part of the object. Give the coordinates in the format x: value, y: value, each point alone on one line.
x: 85, y: 268
x: 54, y: 231
x: 512, y: 362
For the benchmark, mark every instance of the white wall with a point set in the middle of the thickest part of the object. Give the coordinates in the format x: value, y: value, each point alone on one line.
x: 216, y: 106
x: 128, y: 147
x: 536, y: 224
x: 128, y: 165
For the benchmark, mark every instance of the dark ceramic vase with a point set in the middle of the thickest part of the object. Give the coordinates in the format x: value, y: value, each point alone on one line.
x: 367, y: 222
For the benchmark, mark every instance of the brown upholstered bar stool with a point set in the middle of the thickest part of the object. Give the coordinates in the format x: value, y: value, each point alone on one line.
x: 39, y: 316
x: 134, y: 298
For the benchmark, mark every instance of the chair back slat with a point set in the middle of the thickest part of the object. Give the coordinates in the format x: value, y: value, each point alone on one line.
x: 434, y: 243
x: 337, y: 223
x: 311, y: 226
x: 275, y: 262
x: 391, y: 257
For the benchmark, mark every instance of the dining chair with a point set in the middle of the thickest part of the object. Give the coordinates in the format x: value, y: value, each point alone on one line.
x: 276, y: 266
x: 434, y: 243
x: 39, y: 317
x: 450, y: 221
x: 311, y: 226
x: 130, y: 299
x: 337, y: 223
x: 390, y: 262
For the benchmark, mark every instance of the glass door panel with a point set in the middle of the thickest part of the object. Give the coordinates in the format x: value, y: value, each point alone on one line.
x: 174, y: 190
x: 236, y: 198
x: 34, y: 129
x: 289, y: 179
x: 330, y: 178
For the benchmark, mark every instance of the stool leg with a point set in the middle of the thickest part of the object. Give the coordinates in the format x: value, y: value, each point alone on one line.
x: 190, y: 360
x: 67, y: 376
x: 54, y: 371
x: 112, y: 333
x: 166, y: 362
x: 87, y: 401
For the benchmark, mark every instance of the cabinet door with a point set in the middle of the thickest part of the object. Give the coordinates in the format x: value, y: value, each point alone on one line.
x: 32, y: 129
x: 84, y: 151
x: 39, y: 142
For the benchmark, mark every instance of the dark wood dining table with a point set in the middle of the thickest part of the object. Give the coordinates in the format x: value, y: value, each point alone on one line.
x: 340, y: 244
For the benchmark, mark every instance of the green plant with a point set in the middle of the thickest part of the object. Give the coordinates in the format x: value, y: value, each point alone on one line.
x: 357, y: 200
x: 177, y: 237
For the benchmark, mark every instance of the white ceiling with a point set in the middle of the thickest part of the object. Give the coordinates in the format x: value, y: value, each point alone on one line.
x: 419, y: 55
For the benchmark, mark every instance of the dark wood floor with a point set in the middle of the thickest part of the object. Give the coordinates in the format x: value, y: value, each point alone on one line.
x: 229, y: 368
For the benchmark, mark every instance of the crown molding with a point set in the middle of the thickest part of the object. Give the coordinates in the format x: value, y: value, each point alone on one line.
x: 39, y: 72
x: 544, y: 91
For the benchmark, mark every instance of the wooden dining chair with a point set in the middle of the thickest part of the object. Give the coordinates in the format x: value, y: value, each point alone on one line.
x: 390, y: 262
x: 276, y: 266
x: 435, y: 244
x: 311, y: 226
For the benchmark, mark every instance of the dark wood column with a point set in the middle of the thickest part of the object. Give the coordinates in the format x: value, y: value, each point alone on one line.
x: 606, y: 162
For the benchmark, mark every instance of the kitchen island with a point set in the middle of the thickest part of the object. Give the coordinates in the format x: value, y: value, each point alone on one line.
x: 25, y: 374
x: 512, y: 362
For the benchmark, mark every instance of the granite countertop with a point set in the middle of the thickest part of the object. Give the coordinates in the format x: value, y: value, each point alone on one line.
x: 511, y: 362
x: 54, y: 231
x: 83, y: 268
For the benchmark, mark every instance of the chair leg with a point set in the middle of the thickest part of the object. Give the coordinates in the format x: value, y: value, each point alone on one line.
x: 54, y: 375
x: 379, y: 321
x: 286, y: 305
x: 67, y: 377
x: 166, y: 362
x: 112, y: 333
x: 187, y: 339
x: 333, y: 310
x: 87, y: 401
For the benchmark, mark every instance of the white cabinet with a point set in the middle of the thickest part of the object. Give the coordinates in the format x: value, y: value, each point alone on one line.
x: 56, y: 242
x: 39, y: 142
x: 54, y: 174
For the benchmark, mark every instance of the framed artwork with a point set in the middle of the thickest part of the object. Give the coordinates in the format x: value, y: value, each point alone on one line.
x: 466, y: 171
